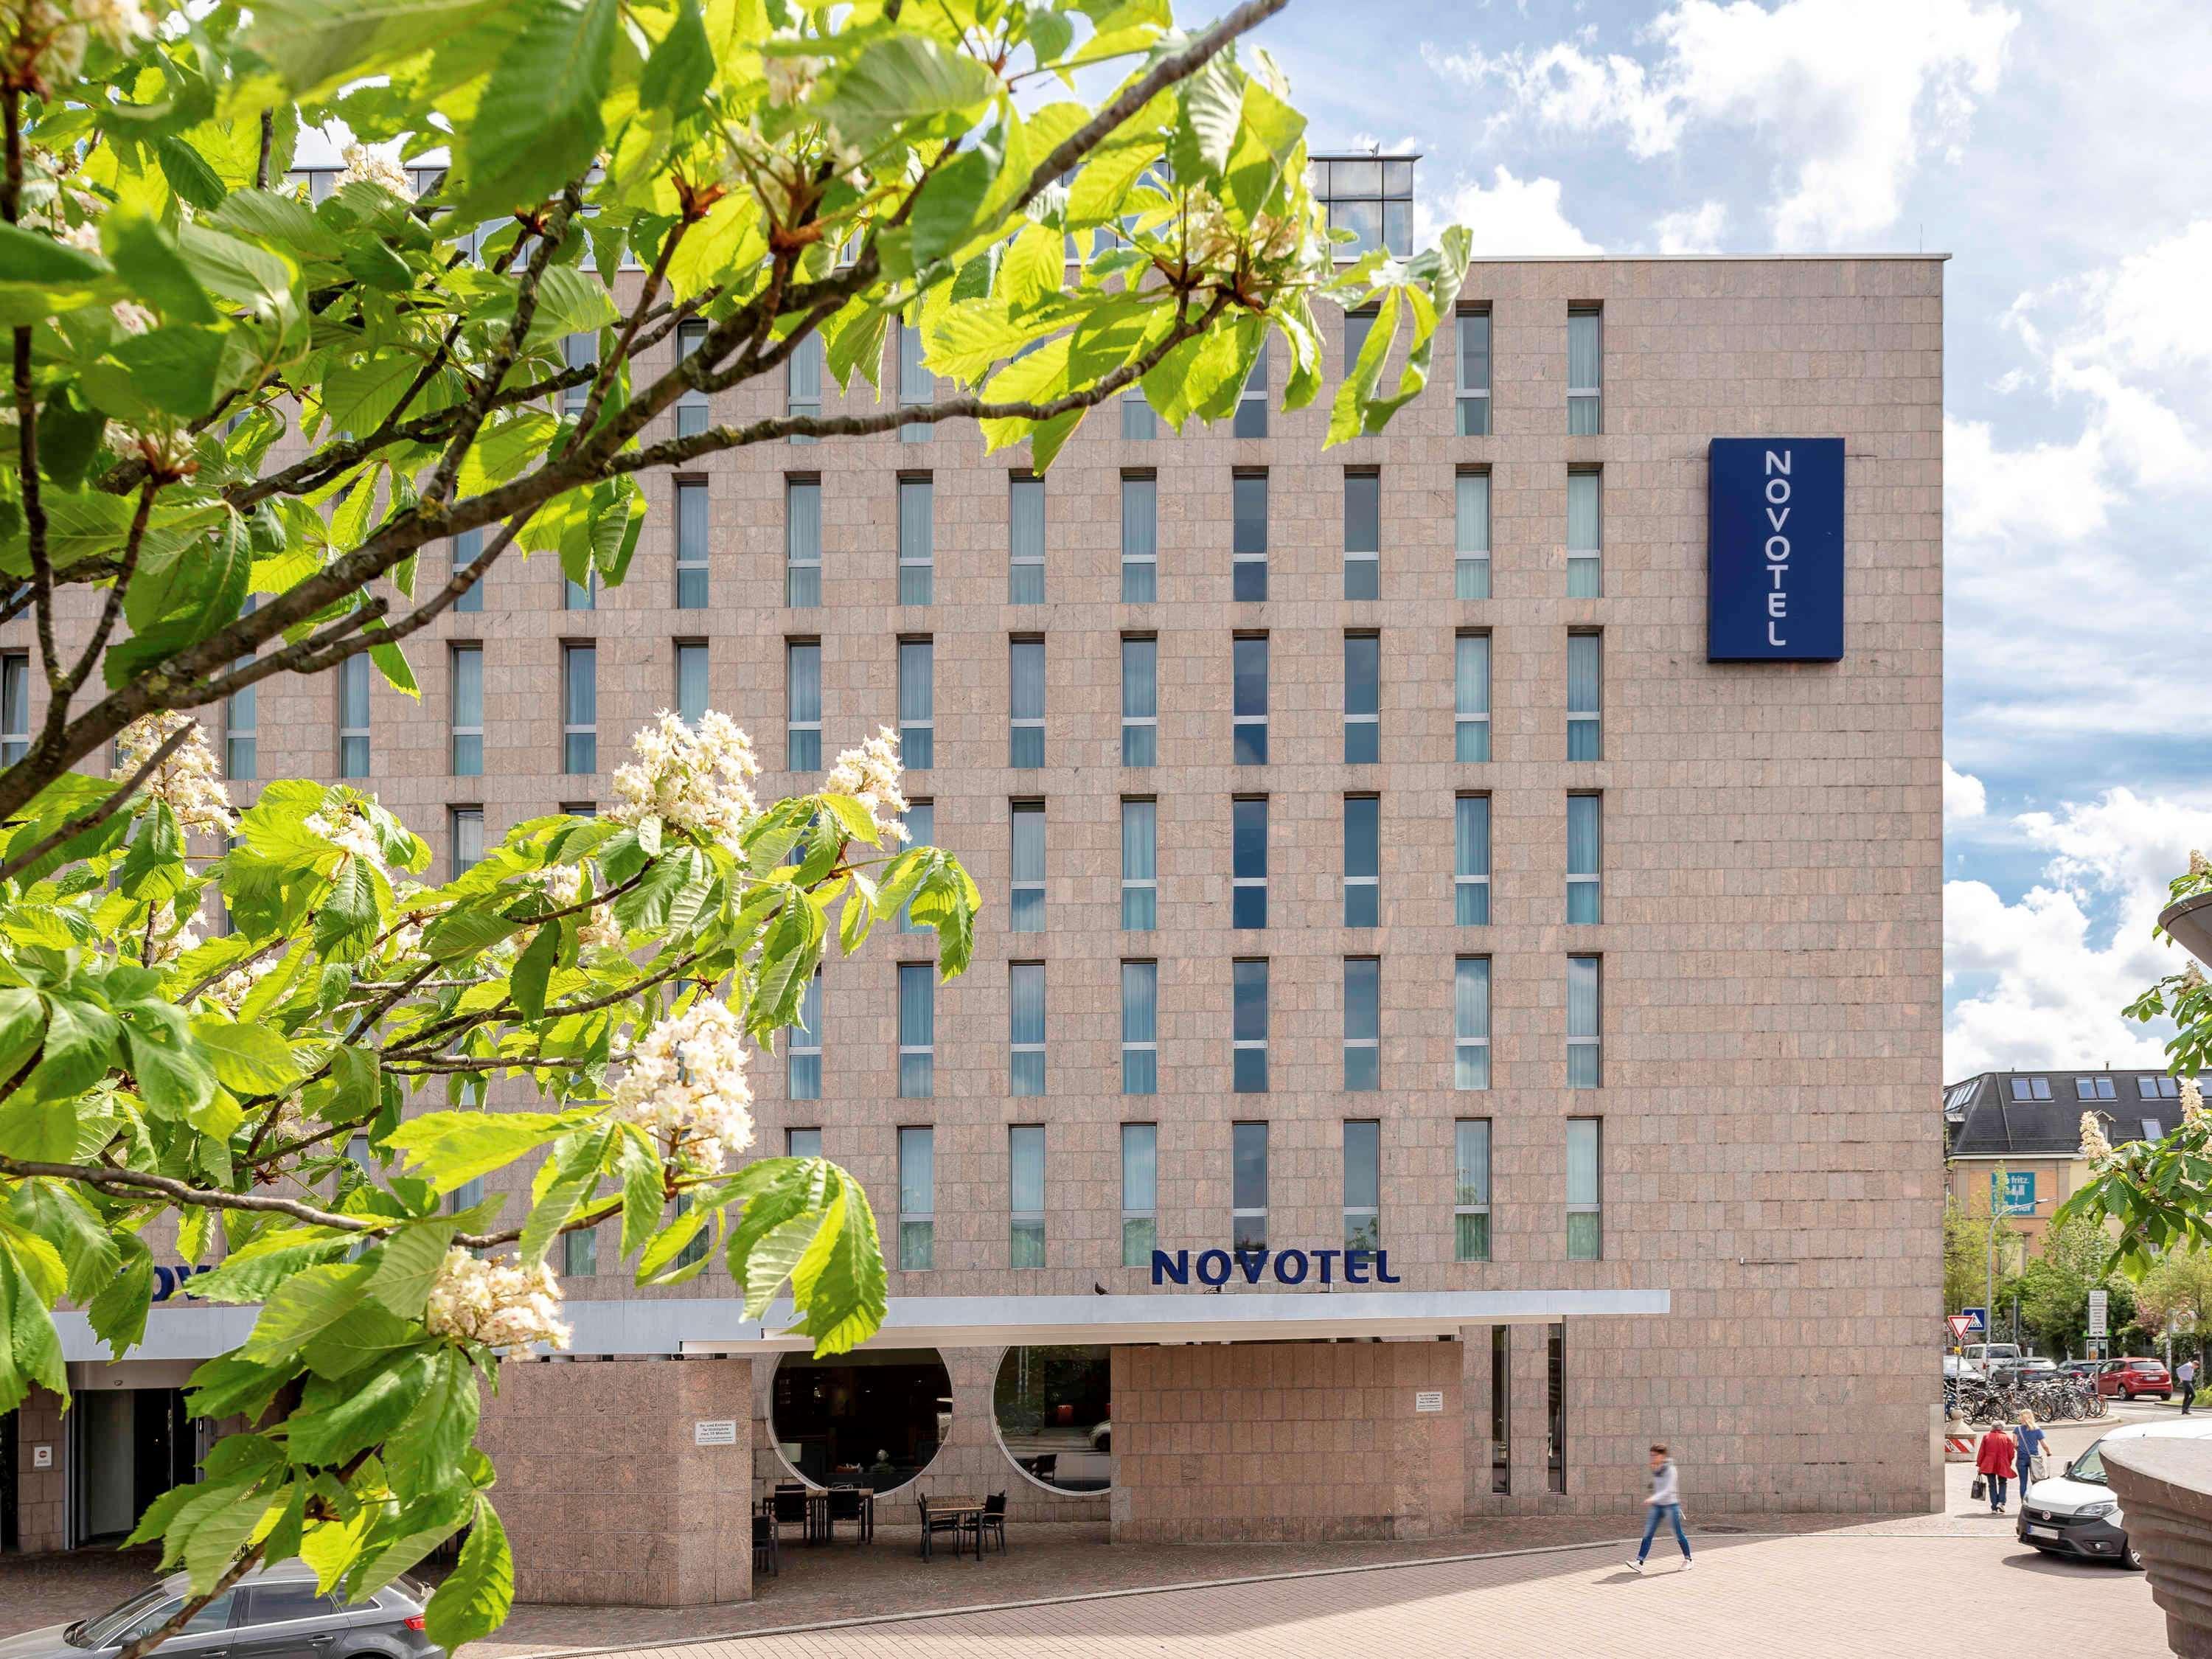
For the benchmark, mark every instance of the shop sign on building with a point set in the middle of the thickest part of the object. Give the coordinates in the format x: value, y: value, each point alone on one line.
x: 1215, y: 1268
x: 722, y: 1433
x: 1774, y: 553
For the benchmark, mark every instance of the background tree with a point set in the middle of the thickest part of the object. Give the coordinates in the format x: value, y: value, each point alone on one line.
x: 2074, y: 1259
x: 2175, y: 1298
x: 1966, y: 1252
x: 238, y: 417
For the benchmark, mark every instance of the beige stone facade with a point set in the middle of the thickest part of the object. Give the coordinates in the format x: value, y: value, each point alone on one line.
x: 1771, y: 938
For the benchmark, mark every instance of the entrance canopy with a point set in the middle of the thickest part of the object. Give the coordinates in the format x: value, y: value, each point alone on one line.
x: 977, y: 1321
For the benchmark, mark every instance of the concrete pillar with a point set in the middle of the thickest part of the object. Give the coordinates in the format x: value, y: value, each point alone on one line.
x: 41, y: 1506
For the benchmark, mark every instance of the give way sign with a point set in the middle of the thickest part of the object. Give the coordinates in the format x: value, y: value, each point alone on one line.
x: 1959, y: 1324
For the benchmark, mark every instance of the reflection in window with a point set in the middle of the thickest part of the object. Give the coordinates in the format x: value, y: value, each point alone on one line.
x: 872, y: 1418
x: 1055, y: 1416
x: 1141, y: 1149
x: 1025, y: 1190
x: 1247, y: 1186
x: 1363, y: 1184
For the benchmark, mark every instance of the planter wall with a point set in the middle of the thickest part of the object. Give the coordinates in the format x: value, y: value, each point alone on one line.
x: 2165, y: 1491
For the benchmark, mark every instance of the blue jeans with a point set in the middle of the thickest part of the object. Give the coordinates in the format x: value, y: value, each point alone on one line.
x: 1996, y: 1492
x: 1652, y: 1514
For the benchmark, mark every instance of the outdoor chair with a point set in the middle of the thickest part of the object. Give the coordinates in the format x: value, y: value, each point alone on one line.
x: 765, y: 1553
x: 846, y: 1504
x: 788, y: 1505
x: 933, y: 1524
x: 992, y: 1523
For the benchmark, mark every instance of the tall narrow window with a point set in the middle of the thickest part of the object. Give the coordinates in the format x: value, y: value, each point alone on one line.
x: 1473, y: 373
x: 1247, y: 1186
x: 1471, y: 536
x: 1363, y: 853
x: 1501, y: 1408
x: 1584, y: 850
x: 16, y: 707
x: 1363, y: 699
x: 1026, y: 914
x: 1363, y: 535
x: 1585, y: 1047
x: 1555, y: 1405
x: 917, y: 1030
x: 1585, y: 533
x: 467, y: 549
x: 916, y: 386
x: 804, y: 1043
x: 580, y: 351
x: 579, y: 708
x: 1138, y: 423
x: 1025, y: 1027
x: 1025, y: 732
x: 1584, y: 370
x: 1248, y: 1026
x: 1025, y: 1194
x: 802, y: 384
x: 1140, y: 539
x: 1248, y: 716
x: 580, y: 1253
x: 691, y: 544
x: 240, y: 721
x: 1585, y: 681
x: 1471, y: 1190
x: 692, y: 408
x: 1247, y: 880
x: 920, y: 822
x: 1471, y: 861
x: 1251, y: 420
x: 1471, y: 697
x: 917, y: 703
x: 802, y: 1143
x: 1363, y: 1025
x: 468, y: 711
x: 691, y: 692
x: 917, y: 1219
x: 464, y: 828
x: 1025, y: 542
x: 1140, y: 1193
x: 1357, y: 325
x: 580, y: 596
x: 802, y: 544
x: 917, y: 540
x: 1140, y: 700
x: 1140, y: 867
x: 1140, y: 1028
x: 802, y: 701
x: 1363, y: 1184
x: 353, y: 717
x: 1248, y: 537
x: 1470, y: 1023
x: 1585, y: 1214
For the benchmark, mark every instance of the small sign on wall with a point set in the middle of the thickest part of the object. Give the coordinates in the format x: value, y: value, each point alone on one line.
x: 1429, y: 1400
x: 42, y: 1457
x: 724, y: 1433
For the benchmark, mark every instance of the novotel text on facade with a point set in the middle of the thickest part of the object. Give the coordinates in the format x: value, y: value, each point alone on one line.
x: 1775, y: 553
x: 1214, y: 1268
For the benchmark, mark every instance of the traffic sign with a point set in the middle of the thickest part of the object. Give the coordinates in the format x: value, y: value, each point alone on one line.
x: 1960, y: 1325
x: 1978, y: 1321
x: 2097, y: 1313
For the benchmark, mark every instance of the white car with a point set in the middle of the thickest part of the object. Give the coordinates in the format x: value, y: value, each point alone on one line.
x: 2075, y: 1513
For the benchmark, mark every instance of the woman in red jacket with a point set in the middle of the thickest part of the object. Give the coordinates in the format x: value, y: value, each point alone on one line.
x: 1995, y: 1460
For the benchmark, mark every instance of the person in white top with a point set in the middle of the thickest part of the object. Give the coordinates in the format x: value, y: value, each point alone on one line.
x: 1664, y: 1503
x: 2187, y: 1377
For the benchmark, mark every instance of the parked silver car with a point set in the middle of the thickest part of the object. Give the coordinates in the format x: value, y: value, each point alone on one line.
x: 273, y: 1612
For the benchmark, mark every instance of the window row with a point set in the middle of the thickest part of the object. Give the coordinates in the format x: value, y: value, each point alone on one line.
x: 1249, y: 1025
x: 1029, y: 1177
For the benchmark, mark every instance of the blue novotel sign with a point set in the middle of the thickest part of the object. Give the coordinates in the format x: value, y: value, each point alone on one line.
x: 1774, y: 553
x: 1216, y: 1268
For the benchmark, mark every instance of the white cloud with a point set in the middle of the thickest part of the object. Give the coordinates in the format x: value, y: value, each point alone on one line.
x: 1693, y: 230
x: 1964, y: 798
x: 2053, y: 491
x: 1851, y: 94
x: 2062, y: 962
x: 1510, y: 216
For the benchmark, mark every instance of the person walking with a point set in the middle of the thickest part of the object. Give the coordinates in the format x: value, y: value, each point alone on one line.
x: 1995, y: 1462
x: 2187, y: 1377
x: 2027, y: 1439
x: 1664, y: 1504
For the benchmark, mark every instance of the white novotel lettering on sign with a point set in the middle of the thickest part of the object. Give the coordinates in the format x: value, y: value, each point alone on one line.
x: 1429, y: 1400
x: 724, y: 1433
x: 1778, y: 545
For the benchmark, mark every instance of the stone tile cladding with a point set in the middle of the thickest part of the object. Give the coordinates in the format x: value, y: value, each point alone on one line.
x: 1771, y: 940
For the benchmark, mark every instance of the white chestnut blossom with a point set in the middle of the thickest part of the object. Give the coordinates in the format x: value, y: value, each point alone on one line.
x: 121, y: 23
x: 131, y: 317
x: 871, y: 775
x: 49, y: 40
x: 2094, y: 1147
x: 500, y: 1305
x: 364, y: 166
x: 564, y: 885
x: 347, y: 831
x: 162, y: 949
x: 189, y: 780
x: 84, y: 238
x: 691, y: 779
x: 2192, y: 1102
x: 686, y: 1084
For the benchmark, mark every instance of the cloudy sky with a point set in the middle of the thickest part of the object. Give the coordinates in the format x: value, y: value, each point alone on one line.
x: 2055, y: 151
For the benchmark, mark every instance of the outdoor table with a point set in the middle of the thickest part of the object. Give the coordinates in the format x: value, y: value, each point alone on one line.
x: 961, y: 1508
x: 821, y: 1522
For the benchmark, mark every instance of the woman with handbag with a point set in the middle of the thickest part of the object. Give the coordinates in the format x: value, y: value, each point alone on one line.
x: 1994, y: 1464
x: 2029, y: 1438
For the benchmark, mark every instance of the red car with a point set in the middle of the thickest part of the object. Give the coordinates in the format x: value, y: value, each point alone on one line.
x: 2131, y: 1379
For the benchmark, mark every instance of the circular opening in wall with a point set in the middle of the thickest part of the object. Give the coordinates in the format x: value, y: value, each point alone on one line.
x: 869, y: 1419
x: 1053, y: 1407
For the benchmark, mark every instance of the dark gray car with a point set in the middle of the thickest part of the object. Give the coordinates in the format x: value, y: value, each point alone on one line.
x: 271, y: 1613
